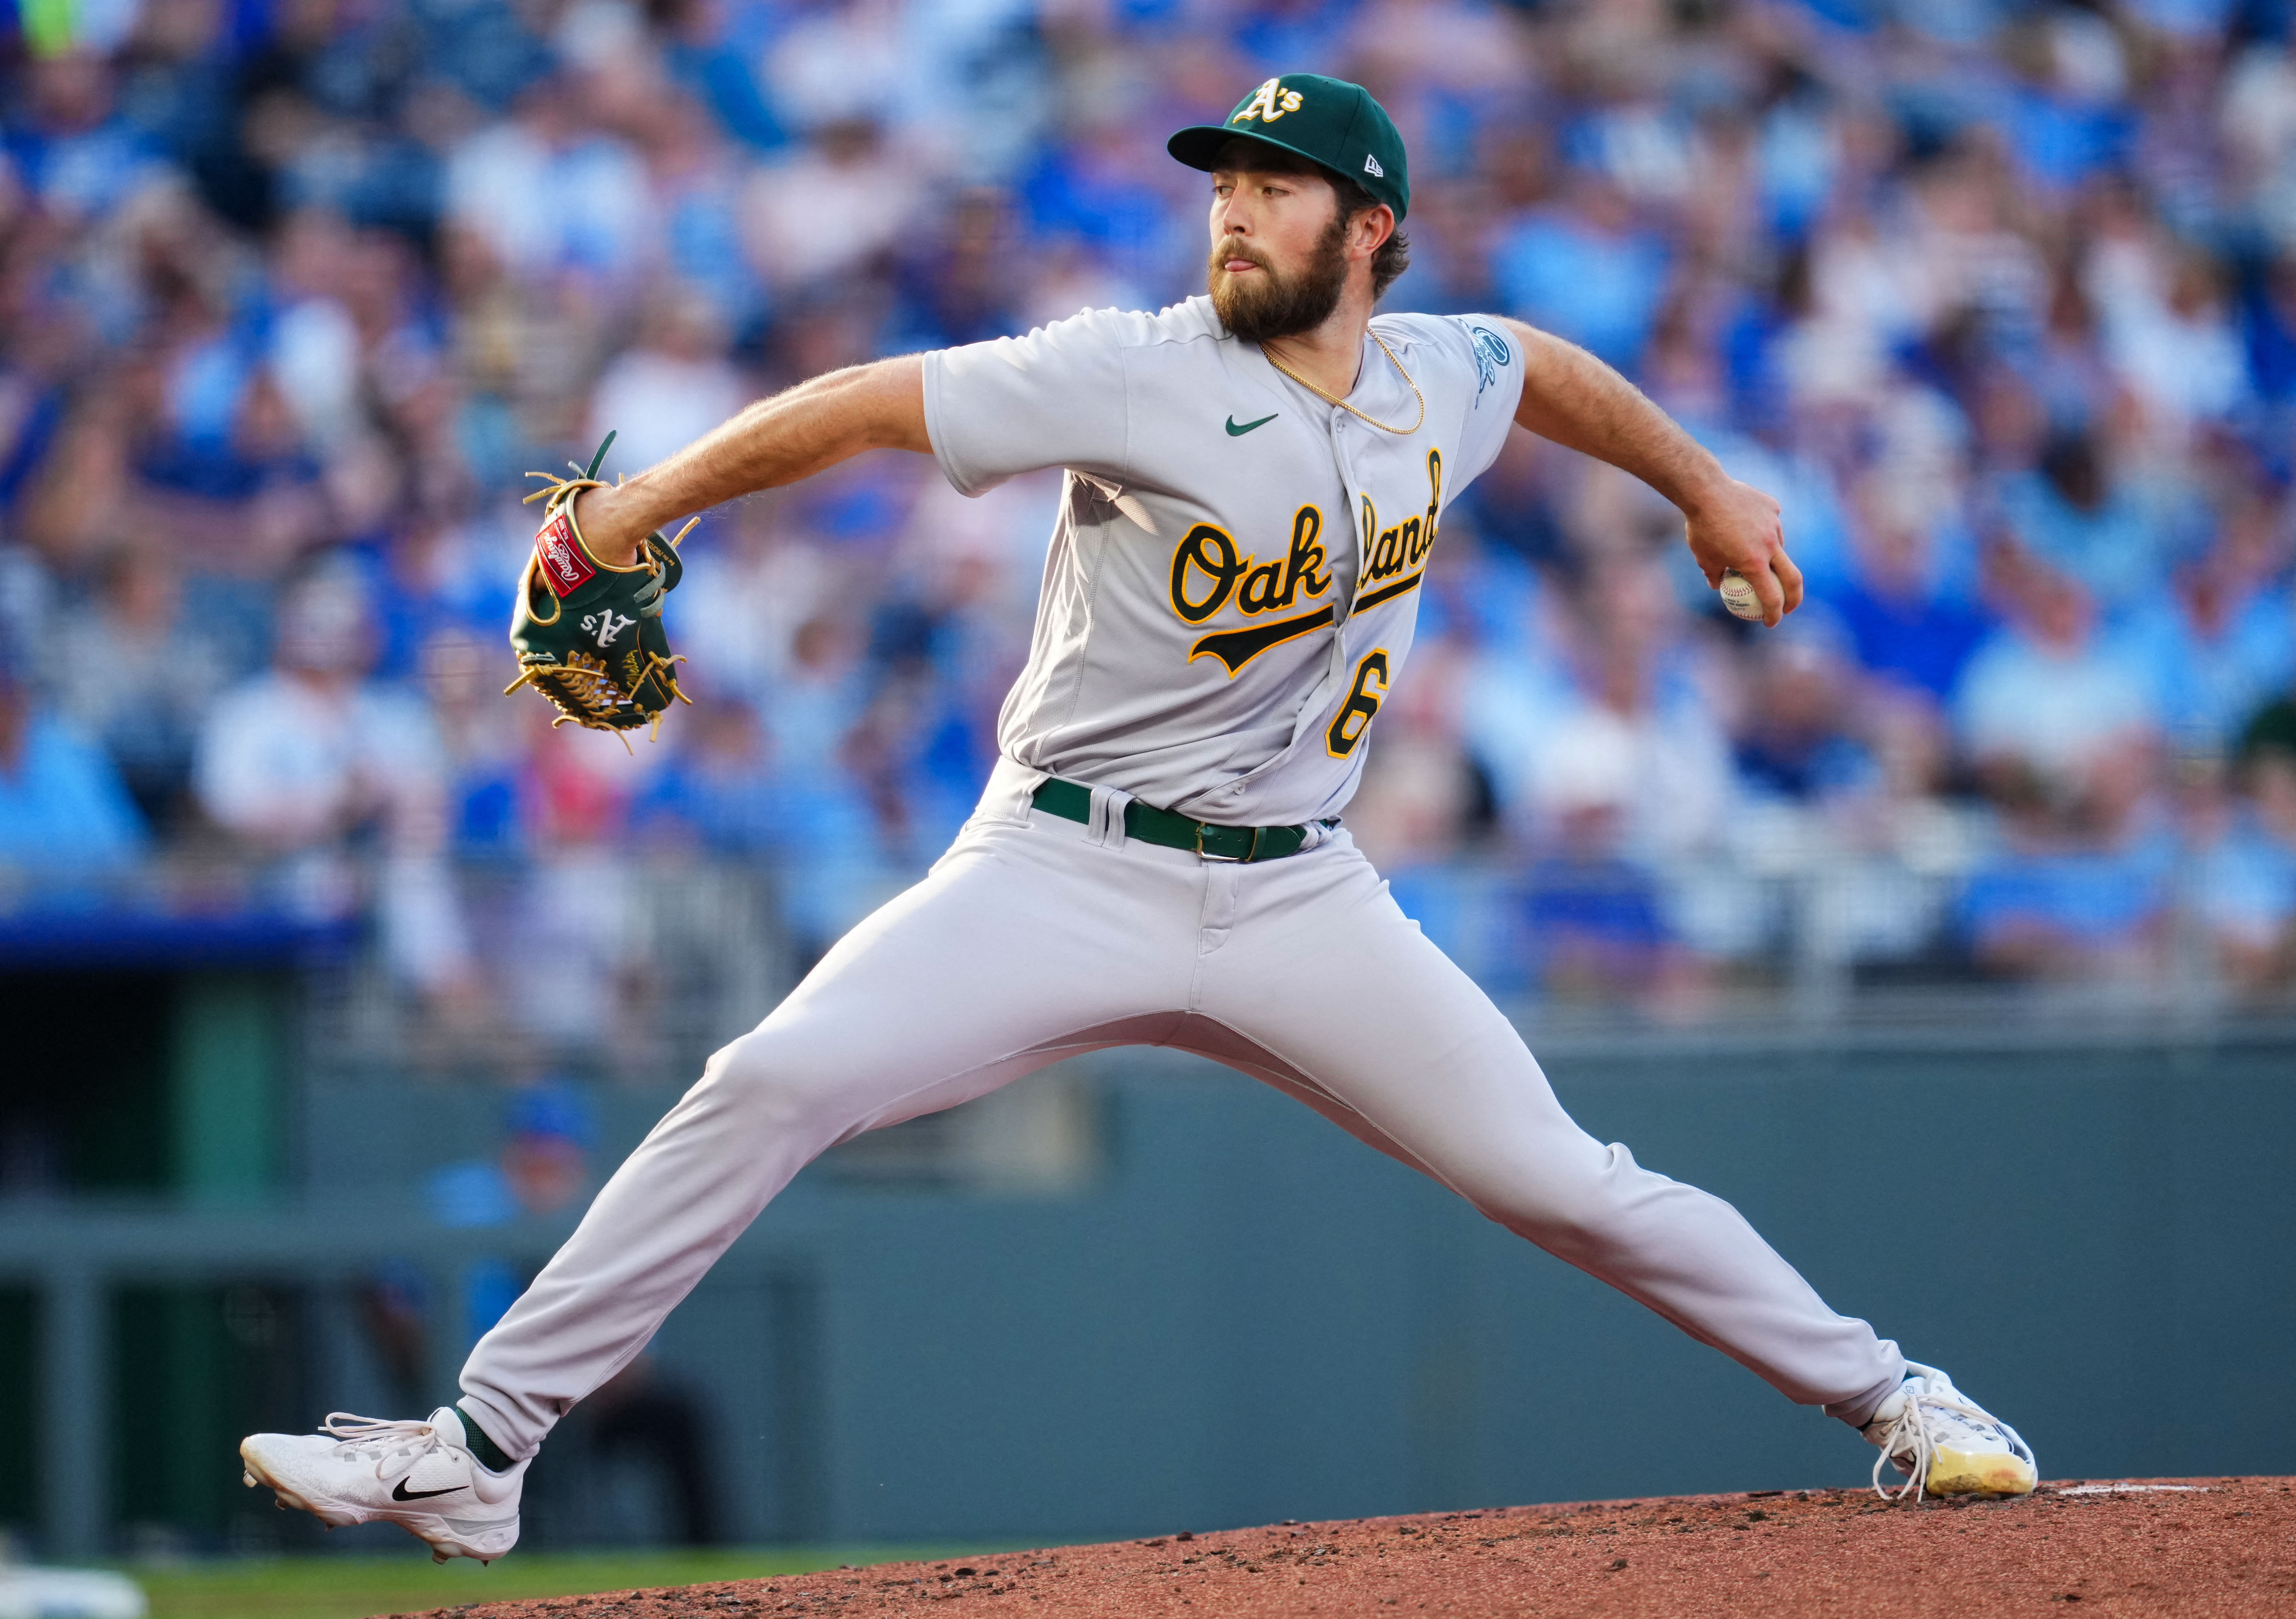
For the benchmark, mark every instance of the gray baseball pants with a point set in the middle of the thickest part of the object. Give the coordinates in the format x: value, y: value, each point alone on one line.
x: 1035, y: 939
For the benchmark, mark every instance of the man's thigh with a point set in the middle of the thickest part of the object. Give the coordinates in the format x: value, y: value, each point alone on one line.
x: 1372, y: 1024
x: 1021, y: 945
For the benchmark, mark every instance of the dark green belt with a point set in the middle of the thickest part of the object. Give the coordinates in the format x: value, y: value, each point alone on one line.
x: 1073, y: 801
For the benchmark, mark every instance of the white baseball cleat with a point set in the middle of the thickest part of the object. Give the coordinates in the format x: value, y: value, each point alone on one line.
x: 419, y: 1475
x: 1946, y: 1444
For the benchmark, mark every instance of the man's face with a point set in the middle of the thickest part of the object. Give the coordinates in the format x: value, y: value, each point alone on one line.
x: 1279, y: 259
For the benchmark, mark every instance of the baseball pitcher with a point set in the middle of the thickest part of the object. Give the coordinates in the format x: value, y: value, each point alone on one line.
x: 1256, y: 480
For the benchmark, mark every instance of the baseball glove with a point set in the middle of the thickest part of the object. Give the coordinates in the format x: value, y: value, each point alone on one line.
x: 588, y: 636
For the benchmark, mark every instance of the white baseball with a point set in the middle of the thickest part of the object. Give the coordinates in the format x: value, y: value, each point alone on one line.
x: 1738, y: 595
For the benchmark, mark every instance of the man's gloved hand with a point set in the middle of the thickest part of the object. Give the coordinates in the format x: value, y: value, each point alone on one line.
x: 589, y: 636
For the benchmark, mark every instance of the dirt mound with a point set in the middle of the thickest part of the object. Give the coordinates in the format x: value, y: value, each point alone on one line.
x: 2173, y: 1547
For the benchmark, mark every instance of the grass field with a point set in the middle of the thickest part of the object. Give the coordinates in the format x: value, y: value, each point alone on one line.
x: 355, y: 1587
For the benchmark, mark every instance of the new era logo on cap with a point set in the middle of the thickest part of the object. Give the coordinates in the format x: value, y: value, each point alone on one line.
x: 1371, y: 167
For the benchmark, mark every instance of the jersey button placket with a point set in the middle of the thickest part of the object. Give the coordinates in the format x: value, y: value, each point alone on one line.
x: 1343, y: 589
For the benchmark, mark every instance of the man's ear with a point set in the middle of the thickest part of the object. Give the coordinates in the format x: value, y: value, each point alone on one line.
x: 1381, y: 224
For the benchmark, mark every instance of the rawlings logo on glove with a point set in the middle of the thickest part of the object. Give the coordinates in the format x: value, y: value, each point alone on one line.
x: 620, y: 693
x: 565, y: 560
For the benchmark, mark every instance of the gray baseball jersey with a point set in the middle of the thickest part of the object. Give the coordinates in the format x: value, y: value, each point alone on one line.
x: 1233, y: 576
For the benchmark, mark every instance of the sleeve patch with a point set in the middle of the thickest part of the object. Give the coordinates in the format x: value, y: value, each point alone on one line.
x: 1492, y: 355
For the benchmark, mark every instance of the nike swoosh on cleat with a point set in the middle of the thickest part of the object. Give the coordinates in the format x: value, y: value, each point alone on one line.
x: 400, y: 1492
x: 1235, y: 432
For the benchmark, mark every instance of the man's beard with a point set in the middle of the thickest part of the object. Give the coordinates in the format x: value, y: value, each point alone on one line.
x: 1269, y: 306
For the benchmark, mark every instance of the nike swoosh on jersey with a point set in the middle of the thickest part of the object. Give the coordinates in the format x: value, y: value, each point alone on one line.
x: 1235, y: 432
x: 1237, y: 648
x: 400, y: 1492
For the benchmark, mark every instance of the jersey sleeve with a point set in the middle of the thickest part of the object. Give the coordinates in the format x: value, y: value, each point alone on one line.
x: 1053, y: 398
x: 1490, y: 362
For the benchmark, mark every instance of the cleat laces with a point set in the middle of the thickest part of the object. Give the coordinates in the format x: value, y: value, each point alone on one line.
x: 1934, y: 1410
x: 396, y: 1447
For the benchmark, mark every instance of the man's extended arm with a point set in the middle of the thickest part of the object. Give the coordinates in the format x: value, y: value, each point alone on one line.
x: 798, y: 432
x: 1573, y: 399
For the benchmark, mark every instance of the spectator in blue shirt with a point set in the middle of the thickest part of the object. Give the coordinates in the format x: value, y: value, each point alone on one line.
x: 2065, y: 911
x: 62, y: 806
x: 1910, y: 624
x: 2063, y: 736
x: 718, y: 792
x: 2212, y: 648
x: 2268, y: 316
x: 80, y: 157
x: 2065, y: 122
x: 2074, y: 515
x: 1594, y: 922
x: 1799, y: 742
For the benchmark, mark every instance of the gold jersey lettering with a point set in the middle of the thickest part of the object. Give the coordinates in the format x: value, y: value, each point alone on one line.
x: 1261, y: 588
x: 1303, y: 565
x: 1423, y: 539
x: 1390, y: 551
x: 1384, y: 550
x: 1209, y: 570
x: 1347, y: 726
x: 1207, y: 550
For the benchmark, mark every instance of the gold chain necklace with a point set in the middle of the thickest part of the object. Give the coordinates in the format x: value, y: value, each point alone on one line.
x: 1350, y: 409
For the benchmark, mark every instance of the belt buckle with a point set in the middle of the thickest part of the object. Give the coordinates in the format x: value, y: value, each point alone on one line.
x: 1225, y: 859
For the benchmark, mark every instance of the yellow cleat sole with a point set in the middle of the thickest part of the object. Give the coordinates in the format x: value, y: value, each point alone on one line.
x: 1981, y: 1473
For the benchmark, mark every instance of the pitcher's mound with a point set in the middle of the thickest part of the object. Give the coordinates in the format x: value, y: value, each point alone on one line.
x: 2171, y: 1547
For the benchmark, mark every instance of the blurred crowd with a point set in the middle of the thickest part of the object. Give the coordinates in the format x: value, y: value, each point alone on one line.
x: 1998, y: 298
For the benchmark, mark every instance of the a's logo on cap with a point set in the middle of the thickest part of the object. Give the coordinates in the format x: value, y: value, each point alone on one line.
x: 1371, y: 167
x: 1269, y: 102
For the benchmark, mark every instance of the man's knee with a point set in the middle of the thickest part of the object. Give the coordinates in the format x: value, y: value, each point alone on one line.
x: 1567, y: 1200
x: 764, y: 1077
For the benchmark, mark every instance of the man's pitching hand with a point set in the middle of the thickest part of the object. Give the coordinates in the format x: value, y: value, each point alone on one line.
x: 1737, y: 527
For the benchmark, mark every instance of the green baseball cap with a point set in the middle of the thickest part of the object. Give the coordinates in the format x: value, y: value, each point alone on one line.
x: 1325, y: 120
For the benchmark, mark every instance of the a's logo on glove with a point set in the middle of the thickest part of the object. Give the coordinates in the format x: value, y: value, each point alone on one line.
x: 606, y: 626
x: 561, y: 560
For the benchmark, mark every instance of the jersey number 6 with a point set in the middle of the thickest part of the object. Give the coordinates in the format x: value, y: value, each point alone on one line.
x: 1356, y: 714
